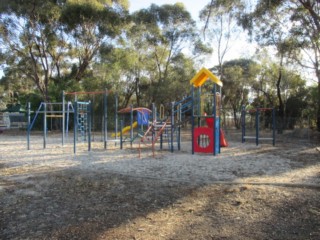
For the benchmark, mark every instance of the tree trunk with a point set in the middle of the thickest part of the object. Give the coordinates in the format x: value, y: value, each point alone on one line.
x: 281, y: 106
x: 137, y: 90
x: 235, y: 118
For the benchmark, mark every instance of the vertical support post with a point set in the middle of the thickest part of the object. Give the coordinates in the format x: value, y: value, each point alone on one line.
x: 243, y: 123
x: 116, y: 117
x: 257, y: 125
x: 219, y: 115
x: 44, y: 125
x: 273, y: 127
x: 154, y: 119
x: 199, y: 106
x: 29, y: 125
x: 192, y: 119
x: 215, y: 119
x: 63, y: 118
x: 179, y: 127
x: 131, y: 125
x: 75, y: 129
x: 89, y: 110
x: 67, y: 123
x: 172, y: 126
x: 105, y: 121
x: 121, y: 139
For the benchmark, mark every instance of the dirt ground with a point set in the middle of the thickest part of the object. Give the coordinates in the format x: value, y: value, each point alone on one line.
x: 246, y: 192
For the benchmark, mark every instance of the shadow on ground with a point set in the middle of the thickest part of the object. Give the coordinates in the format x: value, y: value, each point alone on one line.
x: 77, y: 204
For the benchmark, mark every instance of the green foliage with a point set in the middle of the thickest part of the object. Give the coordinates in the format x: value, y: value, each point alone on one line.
x: 291, y: 27
x: 78, y: 45
x: 238, y: 77
x: 53, y: 43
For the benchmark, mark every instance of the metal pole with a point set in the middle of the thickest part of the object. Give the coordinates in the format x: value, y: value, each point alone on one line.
x: 172, y: 125
x: 131, y: 125
x: 179, y: 126
x: 192, y: 119
x: 45, y: 125
x: 29, y: 125
x: 89, y: 110
x: 219, y: 123
x: 105, y: 130
x: 121, y: 142
x: 215, y: 119
x: 257, y: 126
x: 75, y: 128
x: 243, y: 124
x: 116, y: 117
x: 63, y: 117
x: 154, y: 119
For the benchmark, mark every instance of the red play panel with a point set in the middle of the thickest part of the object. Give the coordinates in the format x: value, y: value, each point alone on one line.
x: 203, y: 140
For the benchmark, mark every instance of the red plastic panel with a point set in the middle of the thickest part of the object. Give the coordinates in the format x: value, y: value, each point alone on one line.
x: 202, y: 134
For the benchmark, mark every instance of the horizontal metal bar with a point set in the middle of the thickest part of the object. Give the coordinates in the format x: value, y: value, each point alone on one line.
x: 49, y: 112
x: 249, y: 137
x: 53, y: 116
x: 260, y: 138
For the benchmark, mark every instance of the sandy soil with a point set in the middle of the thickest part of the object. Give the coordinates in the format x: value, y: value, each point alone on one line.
x: 246, y: 192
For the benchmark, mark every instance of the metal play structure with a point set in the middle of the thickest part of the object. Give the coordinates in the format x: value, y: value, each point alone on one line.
x: 48, y: 110
x: 149, y: 127
x: 82, y: 118
x: 271, y: 124
x: 206, y: 139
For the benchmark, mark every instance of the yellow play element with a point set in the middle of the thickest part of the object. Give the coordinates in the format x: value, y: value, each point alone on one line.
x: 202, y: 76
x: 126, y: 129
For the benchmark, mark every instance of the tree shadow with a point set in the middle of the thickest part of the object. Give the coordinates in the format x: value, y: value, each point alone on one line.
x: 91, y: 201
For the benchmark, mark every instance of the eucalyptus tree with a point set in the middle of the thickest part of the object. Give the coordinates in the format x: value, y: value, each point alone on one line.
x: 55, y: 41
x: 220, y: 25
x: 30, y: 39
x: 89, y: 24
x: 293, y: 27
x: 170, y: 33
x: 238, y: 77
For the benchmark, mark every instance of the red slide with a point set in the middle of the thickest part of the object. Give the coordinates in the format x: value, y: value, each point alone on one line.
x: 223, y: 141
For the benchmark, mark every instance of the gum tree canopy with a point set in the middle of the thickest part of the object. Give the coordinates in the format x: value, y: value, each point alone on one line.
x: 52, y: 41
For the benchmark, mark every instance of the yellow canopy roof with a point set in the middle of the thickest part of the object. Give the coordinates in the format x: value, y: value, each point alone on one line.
x: 202, y: 76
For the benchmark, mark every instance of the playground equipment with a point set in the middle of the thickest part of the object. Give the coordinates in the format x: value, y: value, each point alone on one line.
x: 142, y: 120
x: 206, y: 139
x: 82, y: 117
x: 257, y: 113
x: 151, y: 126
x: 49, y: 110
x: 223, y: 141
x: 161, y: 127
x: 125, y: 129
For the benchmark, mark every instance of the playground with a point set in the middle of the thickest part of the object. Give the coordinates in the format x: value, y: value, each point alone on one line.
x: 246, y: 192
x: 157, y: 176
